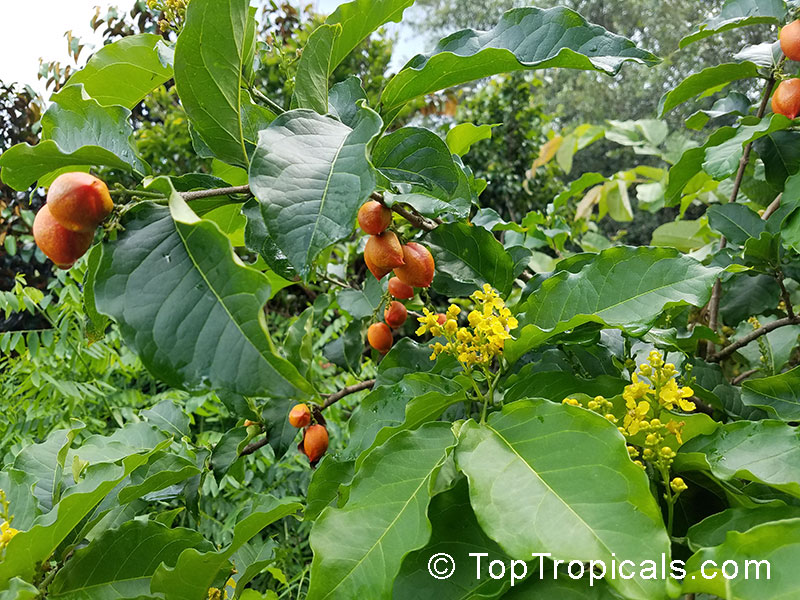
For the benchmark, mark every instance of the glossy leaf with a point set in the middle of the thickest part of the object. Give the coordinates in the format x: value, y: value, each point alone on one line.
x: 766, y: 452
x: 167, y: 263
x: 311, y: 174
x: 556, y: 37
x: 468, y: 257
x: 112, y: 566
x: 713, y: 530
x: 707, y: 79
x: 314, y: 69
x: 736, y: 222
x: 566, y: 474
x: 125, y: 71
x: 323, y: 489
x: 739, y: 13
x: 722, y: 160
x: 622, y: 287
x: 778, y: 395
x: 461, y: 137
x: 358, y: 549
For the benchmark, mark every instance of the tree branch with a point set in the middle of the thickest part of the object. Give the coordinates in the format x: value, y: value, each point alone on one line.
x: 740, y: 378
x: 350, y: 389
x: 763, y: 330
x: 253, y: 446
x: 196, y: 195
x: 412, y: 216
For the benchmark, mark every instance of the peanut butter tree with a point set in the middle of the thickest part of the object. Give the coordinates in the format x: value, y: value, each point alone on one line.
x: 583, y: 426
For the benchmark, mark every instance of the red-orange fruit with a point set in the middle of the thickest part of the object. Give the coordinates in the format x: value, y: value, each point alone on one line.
x: 383, y: 253
x: 400, y: 290
x: 59, y: 244
x: 786, y: 100
x: 380, y: 337
x: 790, y: 40
x: 395, y: 314
x: 315, y: 442
x: 300, y: 416
x: 79, y: 201
x: 418, y: 268
x: 441, y: 318
x: 374, y: 217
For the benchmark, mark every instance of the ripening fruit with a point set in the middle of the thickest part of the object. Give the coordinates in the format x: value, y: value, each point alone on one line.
x: 400, y: 290
x: 374, y: 217
x: 395, y: 314
x: 79, y: 201
x: 786, y: 100
x: 300, y: 416
x: 315, y: 442
x: 790, y: 40
x: 441, y: 318
x: 383, y: 253
x: 418, y: 268
x: 380, y: 337
x: 61, y: 245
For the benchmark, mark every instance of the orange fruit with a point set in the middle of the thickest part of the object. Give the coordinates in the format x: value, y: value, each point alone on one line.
x: 315, y: 442
x: 395, y: 314
x: 417, y: 270
x: 400, y: 290
x: 383, y: 253
x: 380, y: 337
x: 786, y: 100
x: 79, y: 201
x: 59, y: 244
x: 300, y: 416
x: 790, y: 40
x: 374, y: 217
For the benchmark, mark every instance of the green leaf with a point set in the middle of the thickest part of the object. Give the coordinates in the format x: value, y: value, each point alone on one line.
x: 17, y: 486
x: 18, y: 589
x: 623, y: 287
x: 344, y: 99
x: 314, y: 69
x: 468, y: 257
x: 722, y: 160
x: 682, y: 235
x: 739, y: 13
x: 766, y: 452
x: 323, y: 489
x: 189, y: 306
x: 461, y: 137
x: 358, y: 19
x: 780, y: 152
x: 709, y: 78
x: 408, y: 357
x: 280, y: 433
x: 418, y: 157
x: 112, y: 566
x: 736, y: 222
x: 557, y: 385
x: 161, y: 472
x: 358, y: 549
x: 311, y: 174
x: 196, y: 571
x: 556, y: 37
x: 168, y: 417
x: 250, y: 560
x: 563, y: 588
x: 125, y: 71
x: 209, y: 62
x: 564, y: 472
x: 763, y: 556
x: 778, y: 395
x: 227, y: 450
x: 713, y: 530
x: 456, y: 532
x: 257, y: 239
x: 29, y: 548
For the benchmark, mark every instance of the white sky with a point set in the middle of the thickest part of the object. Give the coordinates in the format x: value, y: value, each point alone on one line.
x: 30, y: 29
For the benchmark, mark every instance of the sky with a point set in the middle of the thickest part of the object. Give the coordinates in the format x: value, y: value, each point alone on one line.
x: 30, y: 29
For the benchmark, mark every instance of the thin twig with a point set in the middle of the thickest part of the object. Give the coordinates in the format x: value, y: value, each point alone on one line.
x: 253, y: 446
x: 412, y: 216
x: 350, y: 389
x: 196, y: 195
x: 787, y: 299
x: 740, y: 378
x: 754, y: 335
x: 772, y: 208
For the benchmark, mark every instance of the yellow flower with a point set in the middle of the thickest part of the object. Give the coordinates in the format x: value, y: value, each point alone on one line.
x: 678, y: 485
x: 671, y: 394
x: 6, y: 533
x: 570, y: 401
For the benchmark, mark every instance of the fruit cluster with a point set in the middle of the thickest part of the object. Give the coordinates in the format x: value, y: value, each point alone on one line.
x: 64, y: 227
x: 786, y: 99
x: 315, y: 437
x: 412, y: 264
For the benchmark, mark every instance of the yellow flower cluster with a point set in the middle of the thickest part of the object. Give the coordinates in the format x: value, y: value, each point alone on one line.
x: 172, y: 12
x: 479, y: 342
x: 6, y: 533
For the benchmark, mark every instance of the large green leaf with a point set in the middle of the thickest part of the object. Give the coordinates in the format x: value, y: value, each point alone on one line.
x: 780, y: 152
x: 461, y: 137
x: 358, y: 19
x: 722, y: 160
x: 765, y: 559
x: 195, y: 571
x: 189, y: 306
x: 623, y: 287
x: 455, y: 532
x: 550, y: 478
x: 314, y: 69
x: 466, y: 258
x: 713, y: 530
x: 358, y: 549
x: 736, y: 222
x: 766, y: 452
x: 311, y: 174
x: 779, y: 395
x: 113, y: 566
x: 547, y: 587
x: 525, y: 38
x: 739, y: 13
x: 17, y: 486
x: 210, y: 58
x: 709, y: 78
x: 125, y: 71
